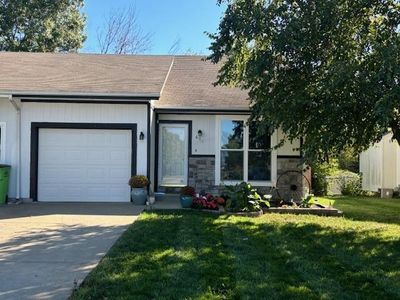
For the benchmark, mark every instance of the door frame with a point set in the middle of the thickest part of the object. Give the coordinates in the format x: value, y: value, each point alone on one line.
x: 35, y: 126
x: 157, y: 143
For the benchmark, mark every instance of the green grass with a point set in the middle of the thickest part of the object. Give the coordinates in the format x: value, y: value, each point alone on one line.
x: 193, y: 255
x: 369, y: 209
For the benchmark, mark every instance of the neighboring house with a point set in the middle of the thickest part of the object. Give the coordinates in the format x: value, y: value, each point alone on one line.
x: 380, y: 167
x: 75, y: 127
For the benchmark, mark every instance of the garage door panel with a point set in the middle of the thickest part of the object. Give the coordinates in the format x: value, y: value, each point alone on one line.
x: 119, y: 157
x: 88, y: 165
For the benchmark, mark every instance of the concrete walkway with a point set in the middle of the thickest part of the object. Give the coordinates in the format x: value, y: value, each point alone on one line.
x: 47, y: 248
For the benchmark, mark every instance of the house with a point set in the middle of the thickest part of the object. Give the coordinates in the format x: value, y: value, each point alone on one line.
x: 74, y: 127
x: 380, y: 167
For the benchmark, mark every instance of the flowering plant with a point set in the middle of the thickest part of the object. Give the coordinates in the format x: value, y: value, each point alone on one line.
x: 205, y: 202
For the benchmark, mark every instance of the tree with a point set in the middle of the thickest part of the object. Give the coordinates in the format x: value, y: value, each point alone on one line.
x: 175, y: 47
x: 122, y: 33
x: 324, y: 70
x: 41, y: 26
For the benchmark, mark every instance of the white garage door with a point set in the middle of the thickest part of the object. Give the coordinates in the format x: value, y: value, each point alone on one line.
x: 84, y: 165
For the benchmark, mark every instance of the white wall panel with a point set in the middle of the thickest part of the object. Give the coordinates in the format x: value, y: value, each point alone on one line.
x: 371, y: 167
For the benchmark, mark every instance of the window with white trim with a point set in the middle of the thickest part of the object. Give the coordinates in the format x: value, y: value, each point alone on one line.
x: 2, y: 142
x: 241, y: 156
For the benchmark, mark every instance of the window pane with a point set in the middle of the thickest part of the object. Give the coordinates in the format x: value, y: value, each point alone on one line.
x: 232, y: 134
x: 231, y: 165
x: 263, y: 142
x: 259, y: 166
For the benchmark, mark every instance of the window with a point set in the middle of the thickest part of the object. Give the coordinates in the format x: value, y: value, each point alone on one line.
x: 2, y: 142
x: 241, y: 156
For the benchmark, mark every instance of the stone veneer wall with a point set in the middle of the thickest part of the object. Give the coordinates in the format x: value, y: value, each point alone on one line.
x: 202, y: 173
x: 202, y: 176
x: 286, y: 180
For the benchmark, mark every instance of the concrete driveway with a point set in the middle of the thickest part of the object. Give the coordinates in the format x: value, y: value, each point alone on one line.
x: 47, y: 248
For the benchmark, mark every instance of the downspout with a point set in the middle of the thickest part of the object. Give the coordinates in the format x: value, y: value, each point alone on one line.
x: 18, y: 111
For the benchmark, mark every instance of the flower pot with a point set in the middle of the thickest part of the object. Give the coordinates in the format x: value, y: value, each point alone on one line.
x: 139, y: 196
x: 186, y: 201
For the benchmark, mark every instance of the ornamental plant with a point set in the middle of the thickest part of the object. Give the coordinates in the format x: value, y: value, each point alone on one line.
x: 188, y: 191
x: 243, y: 197
x: 138, y: 181
x: 207, y: 201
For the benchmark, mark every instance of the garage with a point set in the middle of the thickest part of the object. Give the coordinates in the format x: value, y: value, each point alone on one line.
x: 84, y: 164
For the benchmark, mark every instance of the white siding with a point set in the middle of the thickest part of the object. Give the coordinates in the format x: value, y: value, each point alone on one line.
x: 81, y: 113
x: 371, y: 168
x: 288, y: 148
x: 380, y: 165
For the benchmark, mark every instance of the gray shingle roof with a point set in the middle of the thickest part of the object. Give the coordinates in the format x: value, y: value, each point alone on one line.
x: 190, y: 85
x: 82, y: 73
x: 182, y: 81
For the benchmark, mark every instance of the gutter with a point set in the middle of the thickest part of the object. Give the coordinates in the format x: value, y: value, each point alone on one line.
x: 55, y: 95
x: 18, y: 111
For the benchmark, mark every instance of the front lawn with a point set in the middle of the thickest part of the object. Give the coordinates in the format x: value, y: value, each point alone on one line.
x: 194, y: 255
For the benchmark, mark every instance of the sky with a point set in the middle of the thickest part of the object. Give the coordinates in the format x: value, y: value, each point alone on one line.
x: 166, y: 20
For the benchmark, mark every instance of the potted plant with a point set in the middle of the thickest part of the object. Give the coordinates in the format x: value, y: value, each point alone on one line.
x: 138, y: 184
x: 187, y: 194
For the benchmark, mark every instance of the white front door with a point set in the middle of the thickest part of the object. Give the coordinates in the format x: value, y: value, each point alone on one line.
x: 84, y: 165
x: 173, y: 155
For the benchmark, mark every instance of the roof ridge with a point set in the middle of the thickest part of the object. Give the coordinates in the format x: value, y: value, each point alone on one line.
x: 167, y: 76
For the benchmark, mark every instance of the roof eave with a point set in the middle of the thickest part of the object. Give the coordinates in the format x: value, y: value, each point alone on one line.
x: 65, y: 95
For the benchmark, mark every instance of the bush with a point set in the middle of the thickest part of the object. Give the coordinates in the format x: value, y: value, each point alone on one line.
x: 351, y: 184
x: 138, y: 181
x: 319, y: 173
x: 243, y: 197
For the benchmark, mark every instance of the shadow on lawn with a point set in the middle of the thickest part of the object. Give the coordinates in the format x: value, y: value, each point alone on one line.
x: 175, y: 255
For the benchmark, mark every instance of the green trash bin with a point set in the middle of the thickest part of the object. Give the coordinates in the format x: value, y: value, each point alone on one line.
x: 4, y: 178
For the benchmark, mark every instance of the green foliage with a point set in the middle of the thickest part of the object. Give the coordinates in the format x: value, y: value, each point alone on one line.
x: 41, y: 25
x: 326, y: 71
x: 319, y: 172
x: 348, y: 160
x: 138, y: 181
x: 351, y: 184
x: 188, y: 191
x: 243, y: 197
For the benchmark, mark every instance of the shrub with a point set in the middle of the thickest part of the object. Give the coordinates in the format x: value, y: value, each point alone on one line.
x: 243, y: 197
x: 188, y: 191
x: 319, y: 173
x: 138, y: 181
x: 351, y: 184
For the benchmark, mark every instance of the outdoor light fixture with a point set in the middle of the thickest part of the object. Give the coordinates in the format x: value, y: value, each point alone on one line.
x: 141, y: 136
x: 199, y: 133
